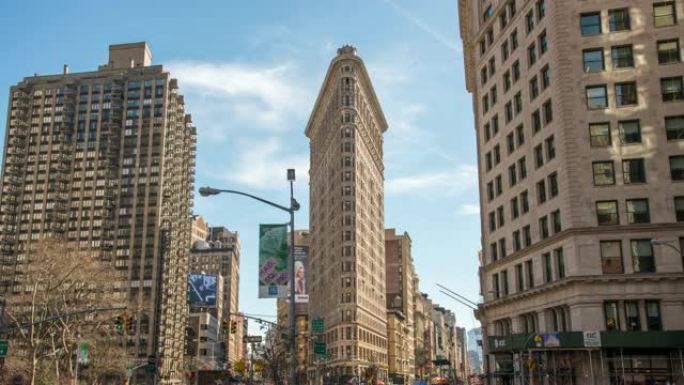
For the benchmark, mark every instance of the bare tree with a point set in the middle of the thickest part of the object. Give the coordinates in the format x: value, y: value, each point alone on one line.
x: 54, y: 306
x: 275, y: 361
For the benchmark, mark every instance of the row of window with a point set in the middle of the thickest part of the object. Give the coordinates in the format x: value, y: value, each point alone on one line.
x: 622, y: 56
x: 553, y: 268
x: 633, y: 171
x: 634, y: 312
x: 637, y: 209
x: 629, y: 131
x: 672, y: 89
x: 523, y: 238
x: 664, y: 14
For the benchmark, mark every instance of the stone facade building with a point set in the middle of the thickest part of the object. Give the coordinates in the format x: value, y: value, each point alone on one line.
x: 105, y: 160
x: 347, y: 259
x: 579, y: 111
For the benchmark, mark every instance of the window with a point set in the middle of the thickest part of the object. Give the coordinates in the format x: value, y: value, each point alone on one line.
x: 495, y: 125
x: 553, y: 184
x: 538, y: 156
x: 590, y: 23
x: 543, y: 43
x: 503, y: 21
x: 556, y: 225
x: 611, y: 313
x: 674, y: 126
x: 500, y: 215
x: 487, y: 132
x: 677, y: 167
x: 637, y: 211
x: 485, y: 104
x: 633, y: 171
x: 664, y: 14
x: 668, y: 51
x: 515, y: 213
x: 504, y: 51
x: 507, y: 81
x: 509, y: 112
x: 534, y: 88
x: 531, y: 55
x: 625, y: 94
x: 544, y: 227
x: 529, y: 19
x: 522, y: 168
x: 672, y: 89
x: 550, y: 148
x: 653, y: 321
x: 597, y: 97
x: 520, y: 135
x: 548, y: 112
x: 502, y: 247
x: 488, y: 161
x: 504, y: 281
x: 494, y: 251
x: 520, y: 279
x: 516, y: 71
x: 560, y: 262
x: 679, y: 209
x: 512, y: 176
x: 527, y: 236
x: 524, y: 201
x: 642, y: 256
x: 510, y: 143
x: 548, y: 268
x: 541, y: 9
x: 546, y: 77
x: 514, y: 39
x: 517, y: 103
x: 530, y: 273
x: 492, y: 222
x: 611, y: 257
x: 536, y: 121
x: 495, y: 285
x: 630, y: 131
x: 497, y: 154
x: 622, y: 56
x: 607, y: 213
x: 541, y: 191
x: 632, y: 316
x: 499, y: 187
x: 618, y: 20
x: 593, y: 60
x: 599, y: 134
x: 517, y: 245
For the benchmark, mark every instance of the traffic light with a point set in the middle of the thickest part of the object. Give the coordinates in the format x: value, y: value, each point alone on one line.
x: 233, y: 327
x: 224, y: 327
x: 118, y: 324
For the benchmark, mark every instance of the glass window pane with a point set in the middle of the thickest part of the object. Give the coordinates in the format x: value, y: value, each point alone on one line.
x: 607, y: 213
x: 611, y: 314
x: 600, y: 134
x: 590, y: 24
x: 604, y: 173
x: 611, y: 257
x: 674, y: 125
x: 630, y: 131
x: 593, y: 60
x: 642, y: 256
x: 596, y: 97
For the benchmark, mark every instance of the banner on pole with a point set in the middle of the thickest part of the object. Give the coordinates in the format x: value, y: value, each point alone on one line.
x: 301, y: 254
x: 273, y: 258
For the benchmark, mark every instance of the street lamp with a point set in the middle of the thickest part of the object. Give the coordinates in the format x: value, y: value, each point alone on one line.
x: 294, y: 206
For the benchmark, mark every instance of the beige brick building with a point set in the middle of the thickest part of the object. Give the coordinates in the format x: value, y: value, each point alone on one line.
x: 400, y: 275
x: 579, y: 114
x: 105, y: 159
x: 347, y: 261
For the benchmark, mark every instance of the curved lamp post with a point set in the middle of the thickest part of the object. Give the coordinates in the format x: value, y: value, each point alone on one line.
x: 294, y: 206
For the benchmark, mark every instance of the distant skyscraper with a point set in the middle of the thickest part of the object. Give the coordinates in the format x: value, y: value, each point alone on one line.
x: 105, y: 160
x: 347, y: 261
x: 579, y: 118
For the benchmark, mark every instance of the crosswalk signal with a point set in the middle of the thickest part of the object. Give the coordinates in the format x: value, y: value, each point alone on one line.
x: 233, y: 327
x: 118, y: 324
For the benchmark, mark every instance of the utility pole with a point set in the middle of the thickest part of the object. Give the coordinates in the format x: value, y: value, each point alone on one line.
x: 293, y: 322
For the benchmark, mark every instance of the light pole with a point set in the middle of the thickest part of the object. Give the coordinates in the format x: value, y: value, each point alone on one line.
x: 294, y: 206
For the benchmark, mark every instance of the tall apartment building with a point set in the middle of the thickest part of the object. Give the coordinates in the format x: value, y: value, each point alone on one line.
x: 105, y: 159
x: 219, y: 255
x: 579, y: 113
x: 347, y: 261
x: 423, y: 332
x: 399, y: 277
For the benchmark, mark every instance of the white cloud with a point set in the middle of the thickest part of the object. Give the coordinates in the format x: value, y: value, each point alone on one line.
x: 469, y: 209
x: 262, y: 97
x: 444, y: 182
x: 261, y: 164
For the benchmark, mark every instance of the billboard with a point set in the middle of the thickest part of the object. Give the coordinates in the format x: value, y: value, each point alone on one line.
x: 202, y: 290
x: 301, y: 254
x: 273, y: 258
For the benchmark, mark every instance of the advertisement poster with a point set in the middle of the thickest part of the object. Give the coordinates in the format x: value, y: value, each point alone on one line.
x: 202, y: 290
x: 273, y: 258
x: 301, y: 270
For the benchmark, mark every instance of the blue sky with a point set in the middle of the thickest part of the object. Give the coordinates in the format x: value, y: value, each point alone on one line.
x: 250, y: 71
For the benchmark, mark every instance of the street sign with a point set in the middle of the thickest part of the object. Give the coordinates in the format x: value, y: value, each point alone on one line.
x: 319, y: 347
x: 592, y: 339
x: 252, y: 339
x: 83, y: 352
x: 317, y: 326
x: 4, y: 347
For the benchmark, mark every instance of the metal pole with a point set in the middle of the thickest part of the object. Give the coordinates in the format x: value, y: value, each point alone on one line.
x: 293, y: 323
x: 591, y: 368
